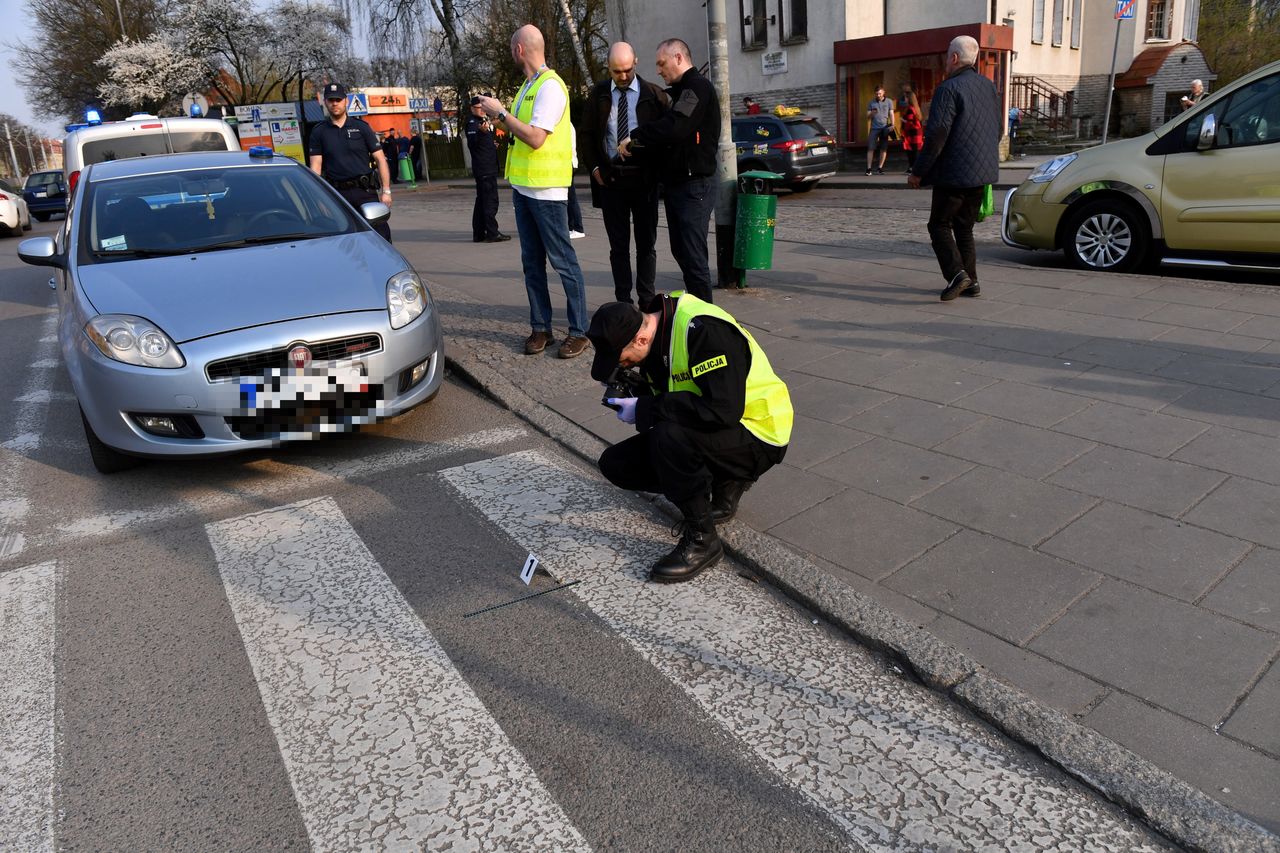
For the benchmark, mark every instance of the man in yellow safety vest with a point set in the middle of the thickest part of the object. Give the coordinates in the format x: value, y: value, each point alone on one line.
x: 712, y: 420
x: 540, y: 171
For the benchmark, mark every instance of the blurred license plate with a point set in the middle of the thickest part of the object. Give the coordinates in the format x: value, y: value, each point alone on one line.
x: 821, y: 149
x: 289, y: 387
x: 41, y: 194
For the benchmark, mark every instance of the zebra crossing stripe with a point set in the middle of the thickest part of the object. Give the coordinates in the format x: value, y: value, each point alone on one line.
x: 893, y: 764
x: 385, y: 744
x: 26, y: 708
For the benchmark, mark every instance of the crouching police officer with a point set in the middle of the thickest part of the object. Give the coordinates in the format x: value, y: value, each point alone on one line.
x: 714, y: 419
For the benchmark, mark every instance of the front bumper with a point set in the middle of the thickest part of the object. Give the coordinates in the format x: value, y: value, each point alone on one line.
x: 1028, y: 222
x: 111, y: 393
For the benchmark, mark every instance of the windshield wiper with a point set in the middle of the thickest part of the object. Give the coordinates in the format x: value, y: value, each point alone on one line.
x: 136, y: 253
x: 254, y: 241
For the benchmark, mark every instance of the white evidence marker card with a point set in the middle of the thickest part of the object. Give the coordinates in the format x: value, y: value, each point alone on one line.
x: 894, y: 765
x: 27, y: 707
x: 386, y: 745
x: 529, y: 570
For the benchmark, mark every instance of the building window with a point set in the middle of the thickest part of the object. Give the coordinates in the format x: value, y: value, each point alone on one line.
x: 793, y: 20
x: 1059, y: 9
x: 1037, y: 22
x: 755, y: 23
x: 1077, y: 22
x: 1158, y: 20
x: 1191, y: 27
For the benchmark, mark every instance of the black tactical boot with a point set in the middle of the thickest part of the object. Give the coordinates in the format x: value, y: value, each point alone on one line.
x: 699, y: 546
x: 725, y: 497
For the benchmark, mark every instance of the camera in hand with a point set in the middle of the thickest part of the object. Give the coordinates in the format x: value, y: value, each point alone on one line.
x: 620, y: 162
x: 623, y: 382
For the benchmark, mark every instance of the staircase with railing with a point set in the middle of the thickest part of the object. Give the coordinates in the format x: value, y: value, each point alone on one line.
x: 1048, y: 113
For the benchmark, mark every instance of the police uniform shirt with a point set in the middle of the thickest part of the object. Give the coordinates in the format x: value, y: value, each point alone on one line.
x: 346, y: 150
x: 484, y: 154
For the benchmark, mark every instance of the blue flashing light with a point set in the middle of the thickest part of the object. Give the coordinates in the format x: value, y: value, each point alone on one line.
x: 75, y: 126
x: 92, y: 116
x: 261, y: 151
x: 196, y: 112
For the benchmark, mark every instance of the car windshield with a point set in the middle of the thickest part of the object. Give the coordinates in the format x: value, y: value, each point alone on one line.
x: 806, y: 129
x: 43, y: 179
x: 207, y: 209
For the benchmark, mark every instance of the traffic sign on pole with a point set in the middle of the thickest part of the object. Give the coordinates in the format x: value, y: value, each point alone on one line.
x: 357, y: 104
x: 1125, y: 8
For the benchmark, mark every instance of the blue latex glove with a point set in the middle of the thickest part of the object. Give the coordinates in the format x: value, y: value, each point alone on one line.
x: 626, y: 407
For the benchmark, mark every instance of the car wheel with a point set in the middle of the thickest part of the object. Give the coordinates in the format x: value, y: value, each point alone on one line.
x: 802, y: 187
x: 43, y: 217
x: 107, y: 460
x: 1107, y: 236
x: 27, y: 225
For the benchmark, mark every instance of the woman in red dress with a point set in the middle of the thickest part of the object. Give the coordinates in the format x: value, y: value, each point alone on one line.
x: 912, y: 125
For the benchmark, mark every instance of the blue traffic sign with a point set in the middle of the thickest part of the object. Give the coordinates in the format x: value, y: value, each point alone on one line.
x: 257, y: 116
x: 1125, y: 8
x: 357, y: 104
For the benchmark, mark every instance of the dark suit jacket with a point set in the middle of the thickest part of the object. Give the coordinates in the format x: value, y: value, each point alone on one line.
x: 594, y: 130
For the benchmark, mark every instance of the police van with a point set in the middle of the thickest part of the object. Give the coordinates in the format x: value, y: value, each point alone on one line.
x: 142, y: 135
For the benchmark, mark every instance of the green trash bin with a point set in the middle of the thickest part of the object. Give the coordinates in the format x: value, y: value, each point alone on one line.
x: 406, y: 172
x: 757, y: 213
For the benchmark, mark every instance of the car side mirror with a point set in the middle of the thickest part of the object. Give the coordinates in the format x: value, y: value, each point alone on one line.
x: 41, y: 252
x: 375, y: 212
x: 1208, y: 133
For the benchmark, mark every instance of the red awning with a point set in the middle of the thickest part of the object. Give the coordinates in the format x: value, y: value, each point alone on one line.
x: 920, y: 43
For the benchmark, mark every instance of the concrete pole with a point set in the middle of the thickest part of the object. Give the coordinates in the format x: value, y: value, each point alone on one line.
x: 13, y: 155
x: 31, y: 157
x: 727, y: 153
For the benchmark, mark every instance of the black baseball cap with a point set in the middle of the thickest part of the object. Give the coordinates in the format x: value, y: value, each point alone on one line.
x: 335, y: 91
x: 612, y: 327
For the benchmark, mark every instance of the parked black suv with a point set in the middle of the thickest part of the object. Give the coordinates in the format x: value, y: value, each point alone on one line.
x: 796, y: 147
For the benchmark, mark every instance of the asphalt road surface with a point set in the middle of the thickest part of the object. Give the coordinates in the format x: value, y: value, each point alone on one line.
x: 330, y: 646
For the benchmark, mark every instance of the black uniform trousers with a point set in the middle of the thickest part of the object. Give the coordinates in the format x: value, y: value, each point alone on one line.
x: 683, y: 463
x: 951, y: 219
x: 689, y: 205
x: 358, y: 196
x: 624, y: 209
x: 484, y: 216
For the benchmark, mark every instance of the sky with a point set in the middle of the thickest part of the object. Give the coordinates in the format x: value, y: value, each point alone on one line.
x: 15, y: 27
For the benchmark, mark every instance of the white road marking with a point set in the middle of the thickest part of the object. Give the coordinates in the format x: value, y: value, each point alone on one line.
x: 894, y: 765
x: 386, y: 746
x: 28, y: 421
x: 44, y: 395
x: 26, y: 707
x: 45, y: 363
x: 299, y: 477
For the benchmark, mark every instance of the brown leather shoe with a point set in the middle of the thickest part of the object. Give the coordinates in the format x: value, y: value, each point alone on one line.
x: 572, y: 346
x: 537, y: 342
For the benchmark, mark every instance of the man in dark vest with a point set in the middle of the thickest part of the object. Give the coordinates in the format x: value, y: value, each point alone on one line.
x: 484, y: 166
x: 626, y: 193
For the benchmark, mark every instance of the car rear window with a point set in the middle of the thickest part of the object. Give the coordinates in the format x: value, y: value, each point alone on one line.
x: 204, y: 140
x: 43, y: 179
x: 806, y: 129
x: 124, y: 147
x: 756, y: 131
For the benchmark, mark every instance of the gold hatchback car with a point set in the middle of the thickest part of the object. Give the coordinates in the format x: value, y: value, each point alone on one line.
x: 1201, y: 190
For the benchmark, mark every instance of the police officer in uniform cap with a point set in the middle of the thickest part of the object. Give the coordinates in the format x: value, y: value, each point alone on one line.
x: 715, y: 417
x: 339, y: 150
x: 484, y: 166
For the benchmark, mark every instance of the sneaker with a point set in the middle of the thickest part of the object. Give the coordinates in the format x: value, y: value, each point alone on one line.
x: 577, y: 235
x: 537, y: 342
x: 973, y: 291
x: 572, y: 346
x: 868, y: 172
x: 879, y: 171
x: 960, y: 282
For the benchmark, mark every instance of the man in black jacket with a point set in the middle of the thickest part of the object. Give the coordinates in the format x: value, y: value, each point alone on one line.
x: 484, y: 166
x: 626, y: 194
x: 689, y: 134
x: 960, y: 157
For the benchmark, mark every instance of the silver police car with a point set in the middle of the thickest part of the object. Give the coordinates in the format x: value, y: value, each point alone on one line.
x: 216, y: 302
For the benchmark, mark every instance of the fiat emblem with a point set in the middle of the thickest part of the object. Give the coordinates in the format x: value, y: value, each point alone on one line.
x: 299, y: 357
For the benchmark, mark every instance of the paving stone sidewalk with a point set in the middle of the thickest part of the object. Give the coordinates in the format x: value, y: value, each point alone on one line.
x: 1074, y: 478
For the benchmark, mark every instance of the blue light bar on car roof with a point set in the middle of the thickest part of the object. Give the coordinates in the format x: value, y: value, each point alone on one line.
x: 262, y: 151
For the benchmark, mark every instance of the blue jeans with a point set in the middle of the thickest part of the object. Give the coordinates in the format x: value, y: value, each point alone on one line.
x: 543, y: 227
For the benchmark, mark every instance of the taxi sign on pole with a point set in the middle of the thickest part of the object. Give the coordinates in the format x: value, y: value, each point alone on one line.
x: 1125, y: 8
x: 357, y: 104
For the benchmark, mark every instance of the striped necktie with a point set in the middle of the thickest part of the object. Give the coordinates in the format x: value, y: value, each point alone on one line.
x: 624, y: 124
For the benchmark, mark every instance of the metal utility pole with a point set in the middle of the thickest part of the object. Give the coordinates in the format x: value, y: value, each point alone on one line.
x: 727, y: 154
x: 1124, y: 11
x: 13, y: 155
x: 31, y: 157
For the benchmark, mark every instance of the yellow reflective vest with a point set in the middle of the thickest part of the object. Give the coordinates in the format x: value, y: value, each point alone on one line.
x: 552, y: 164
x: 767, y: 414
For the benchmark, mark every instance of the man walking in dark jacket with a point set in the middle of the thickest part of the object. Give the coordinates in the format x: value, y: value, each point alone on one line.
x: 689, y: 134
x: 626, y: 194
x: 960, y: 157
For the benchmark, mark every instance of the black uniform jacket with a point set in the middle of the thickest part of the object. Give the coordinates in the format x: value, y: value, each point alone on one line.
x: 712, y: 342
x: 594, y: 134
x: 484, y: 153
x: 689, y: 131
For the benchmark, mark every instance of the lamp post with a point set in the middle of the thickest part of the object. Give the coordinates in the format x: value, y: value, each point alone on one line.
x: 726, y: 152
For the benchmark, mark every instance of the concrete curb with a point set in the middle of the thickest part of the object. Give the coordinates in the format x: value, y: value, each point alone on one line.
x: 1176, y: 809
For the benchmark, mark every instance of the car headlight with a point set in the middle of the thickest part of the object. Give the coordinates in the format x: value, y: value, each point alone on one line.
x: 407, y: 298
x: 1046, y: 172
x: 133, y: 340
